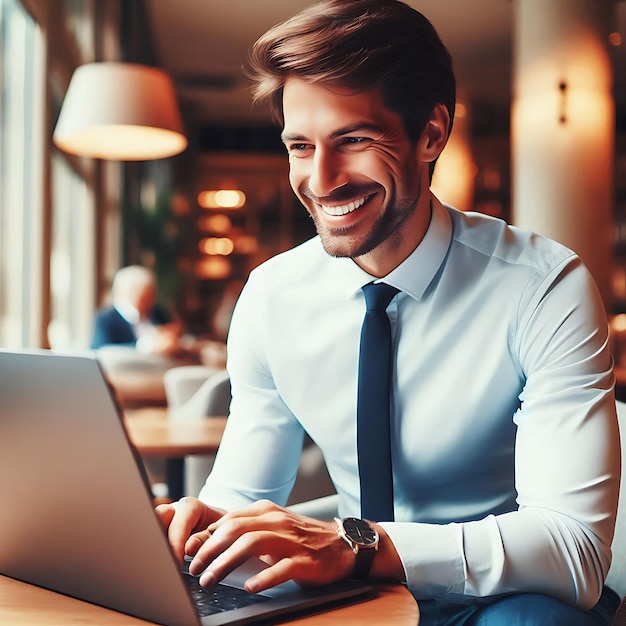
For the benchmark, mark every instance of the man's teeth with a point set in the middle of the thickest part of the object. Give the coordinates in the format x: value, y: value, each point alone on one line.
x: 343, y: 209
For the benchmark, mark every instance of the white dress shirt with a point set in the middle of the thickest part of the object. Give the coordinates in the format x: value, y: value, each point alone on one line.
x: 504, y: 435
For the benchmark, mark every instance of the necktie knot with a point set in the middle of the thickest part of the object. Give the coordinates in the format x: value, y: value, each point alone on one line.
x: 378, y: 296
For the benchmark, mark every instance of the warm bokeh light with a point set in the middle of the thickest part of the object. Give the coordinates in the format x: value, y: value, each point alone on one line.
x: 453, y: 180
x: 212, y: 268
x: 217, y: 246
x: 615, y: 39
x: 222, y: 199
x: 219, y: 224
x: 618, y: 323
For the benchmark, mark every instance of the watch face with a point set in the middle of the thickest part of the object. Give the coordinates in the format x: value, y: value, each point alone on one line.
x: 359, y: 531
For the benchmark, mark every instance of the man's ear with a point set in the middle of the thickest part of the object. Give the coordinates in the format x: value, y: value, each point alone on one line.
x: 435, y: 134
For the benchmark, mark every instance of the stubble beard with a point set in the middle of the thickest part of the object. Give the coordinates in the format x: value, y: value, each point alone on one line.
x: 342, y: 243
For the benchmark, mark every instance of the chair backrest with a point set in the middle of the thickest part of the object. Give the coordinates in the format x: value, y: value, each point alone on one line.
x: 616, y: 578
x: 181, y: 383
x: 211, y: 398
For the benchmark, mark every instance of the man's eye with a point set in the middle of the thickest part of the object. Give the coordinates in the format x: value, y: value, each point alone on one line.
x: 355, y: 140
x: 298, y: 147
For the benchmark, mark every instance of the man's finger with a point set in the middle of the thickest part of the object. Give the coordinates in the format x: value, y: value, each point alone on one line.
x: 187, y: 513
x: 165, y: 513
x: 252, y: 511
x: 195, y: 542
x: 246, y: 547
x: 277, y: 574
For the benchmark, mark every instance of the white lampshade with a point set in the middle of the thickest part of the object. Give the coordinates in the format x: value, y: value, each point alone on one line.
x: 120, y: 111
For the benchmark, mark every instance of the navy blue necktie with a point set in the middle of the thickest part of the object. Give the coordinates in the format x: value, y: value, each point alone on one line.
x: 373, y: 420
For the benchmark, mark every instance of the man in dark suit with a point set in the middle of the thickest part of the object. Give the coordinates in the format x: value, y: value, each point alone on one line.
x: 135, y: 319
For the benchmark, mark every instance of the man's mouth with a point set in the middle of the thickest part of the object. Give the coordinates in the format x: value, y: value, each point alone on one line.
x: 343, y: 209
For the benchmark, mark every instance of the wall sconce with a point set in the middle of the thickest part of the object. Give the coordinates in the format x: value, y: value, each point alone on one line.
x: 563, y: 102
x: 120, y: 111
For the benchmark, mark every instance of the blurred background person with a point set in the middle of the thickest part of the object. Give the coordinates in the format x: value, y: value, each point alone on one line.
x: 135, y: 318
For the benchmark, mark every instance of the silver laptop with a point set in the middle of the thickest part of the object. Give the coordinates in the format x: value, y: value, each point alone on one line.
x: 76, y: 514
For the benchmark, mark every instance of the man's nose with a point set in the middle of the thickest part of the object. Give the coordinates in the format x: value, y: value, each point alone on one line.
x: 327, y: 173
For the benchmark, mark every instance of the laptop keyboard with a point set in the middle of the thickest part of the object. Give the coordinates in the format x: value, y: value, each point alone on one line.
x: 219, y: 598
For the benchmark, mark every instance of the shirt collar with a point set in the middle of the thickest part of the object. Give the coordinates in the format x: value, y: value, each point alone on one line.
x: 416, y: 272
x: 128, y: 312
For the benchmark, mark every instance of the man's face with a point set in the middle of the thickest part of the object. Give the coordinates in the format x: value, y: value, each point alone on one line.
x: 354, y: 169
x: 144, y: 299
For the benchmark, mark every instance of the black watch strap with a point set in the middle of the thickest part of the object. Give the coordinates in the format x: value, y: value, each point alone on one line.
x: 363, y: 562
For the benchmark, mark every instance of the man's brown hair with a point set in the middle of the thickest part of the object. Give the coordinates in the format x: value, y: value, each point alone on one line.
x: 358, y: 45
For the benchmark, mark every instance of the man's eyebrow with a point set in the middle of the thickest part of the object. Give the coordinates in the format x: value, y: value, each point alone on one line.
x: 353, y: 128
x: 340, y: 132
x: 285, y: 137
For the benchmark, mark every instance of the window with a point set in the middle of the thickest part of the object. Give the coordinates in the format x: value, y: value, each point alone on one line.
x: 60, y: 218
x: 21, y: 175
x: 72, y: 258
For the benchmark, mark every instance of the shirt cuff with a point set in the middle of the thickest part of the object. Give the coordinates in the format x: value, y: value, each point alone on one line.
x: 432, y: 561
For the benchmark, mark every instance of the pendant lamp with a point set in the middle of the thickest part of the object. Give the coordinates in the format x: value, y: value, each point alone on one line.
x: 120, y: 111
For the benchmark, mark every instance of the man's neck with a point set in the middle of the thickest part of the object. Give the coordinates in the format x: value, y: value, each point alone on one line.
x: 398, y: 247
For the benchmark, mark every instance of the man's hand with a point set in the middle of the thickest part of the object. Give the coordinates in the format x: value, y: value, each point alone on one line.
x: 295, y: 547
x: 183, y: 518
x: 166, y: 340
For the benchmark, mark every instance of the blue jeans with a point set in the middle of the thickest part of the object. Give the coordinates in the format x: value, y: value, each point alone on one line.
x: 525, y: 609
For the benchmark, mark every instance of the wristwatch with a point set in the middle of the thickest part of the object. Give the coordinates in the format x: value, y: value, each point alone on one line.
x: 362, y: 539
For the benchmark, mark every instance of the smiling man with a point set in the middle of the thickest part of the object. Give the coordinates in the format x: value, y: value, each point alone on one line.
x: 357, y: 173
x: 491, y: 489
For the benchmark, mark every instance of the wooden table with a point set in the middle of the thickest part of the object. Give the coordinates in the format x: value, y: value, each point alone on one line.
x: 154, y: 433
x: 23, y: 604
x: 139, y: 379
x: 138, y: 388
